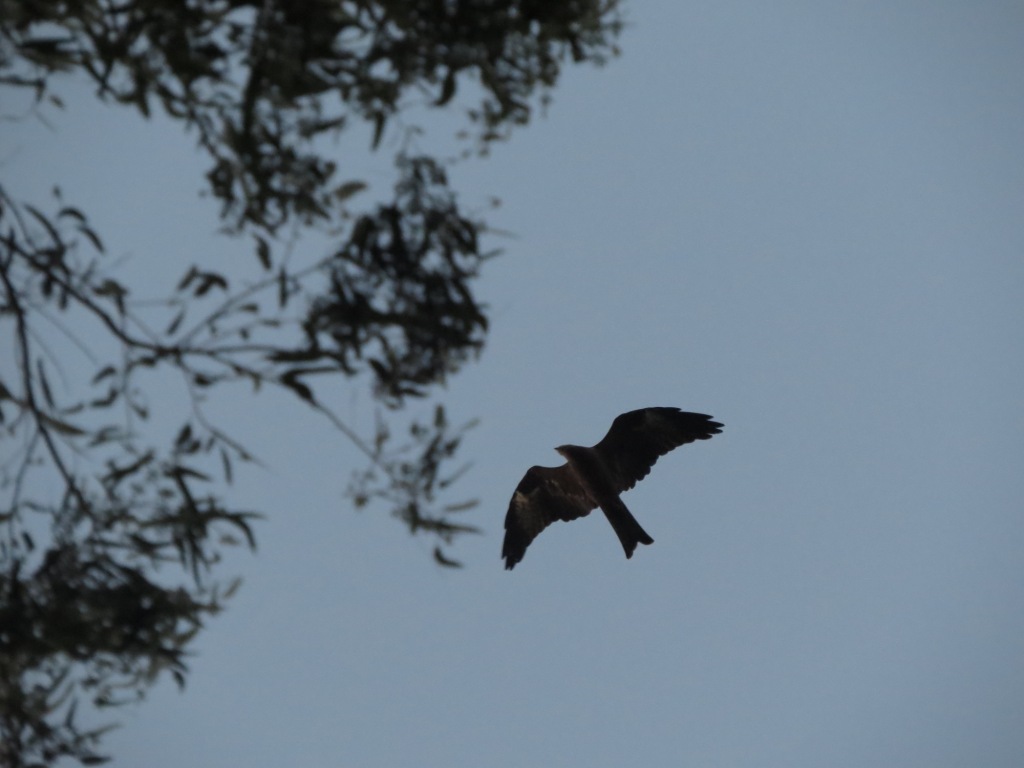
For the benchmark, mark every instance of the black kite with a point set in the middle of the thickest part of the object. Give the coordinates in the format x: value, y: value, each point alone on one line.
x: 594, y: 477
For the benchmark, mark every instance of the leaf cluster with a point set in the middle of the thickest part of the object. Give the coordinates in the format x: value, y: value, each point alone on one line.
x: 399, y: 292
x: 259, y: 81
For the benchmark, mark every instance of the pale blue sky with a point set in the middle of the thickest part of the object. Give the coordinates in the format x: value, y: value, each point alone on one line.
x: 805, y: 219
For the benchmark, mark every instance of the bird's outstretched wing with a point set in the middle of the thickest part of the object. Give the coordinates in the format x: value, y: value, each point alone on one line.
x: 544, y: 495
x: 637, y: 439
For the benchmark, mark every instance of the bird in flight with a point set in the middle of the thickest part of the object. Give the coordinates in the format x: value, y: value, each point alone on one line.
x: 594, y: 477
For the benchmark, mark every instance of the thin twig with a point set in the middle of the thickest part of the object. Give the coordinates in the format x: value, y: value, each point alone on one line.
x: 30, y: 397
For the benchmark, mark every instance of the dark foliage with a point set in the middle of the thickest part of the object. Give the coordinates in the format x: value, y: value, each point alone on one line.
x: 401, y: 285
x: 258, y: 81
x: 111, y: 531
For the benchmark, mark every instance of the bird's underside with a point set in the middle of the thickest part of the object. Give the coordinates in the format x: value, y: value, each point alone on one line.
x: 595, y: 477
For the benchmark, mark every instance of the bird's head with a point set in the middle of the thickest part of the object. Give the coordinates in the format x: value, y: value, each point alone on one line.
x: 567, y: 451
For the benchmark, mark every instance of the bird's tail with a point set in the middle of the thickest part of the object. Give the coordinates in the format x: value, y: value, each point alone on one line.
x: 626, y: 527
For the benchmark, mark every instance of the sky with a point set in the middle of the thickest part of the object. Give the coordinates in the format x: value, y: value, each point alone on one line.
x: 806, y: 220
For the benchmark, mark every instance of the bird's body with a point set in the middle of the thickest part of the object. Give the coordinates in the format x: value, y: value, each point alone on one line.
x: 595, y: 476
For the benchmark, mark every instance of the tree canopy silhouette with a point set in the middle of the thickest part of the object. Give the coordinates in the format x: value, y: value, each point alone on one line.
x: 110, y: 532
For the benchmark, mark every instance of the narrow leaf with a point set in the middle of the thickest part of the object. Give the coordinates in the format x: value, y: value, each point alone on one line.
x: 263, y: 252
